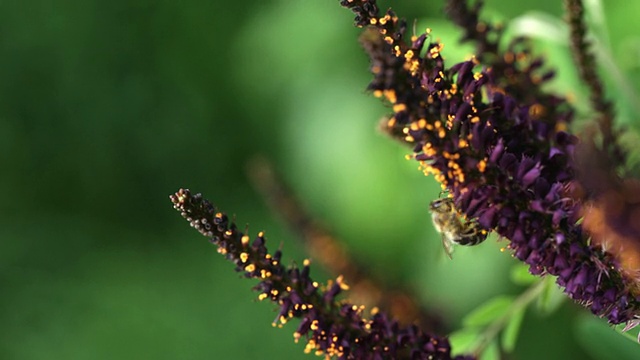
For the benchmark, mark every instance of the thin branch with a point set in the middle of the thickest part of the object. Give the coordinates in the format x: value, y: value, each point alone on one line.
x: 587, y: 68
x: 398, y: 299
x: 587, y: 65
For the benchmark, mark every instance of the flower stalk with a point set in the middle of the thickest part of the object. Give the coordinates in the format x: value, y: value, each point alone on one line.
x: 499, y: 144
x: 331, y: 327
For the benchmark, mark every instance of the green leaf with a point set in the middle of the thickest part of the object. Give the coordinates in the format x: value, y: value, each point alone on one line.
x: 551, y: 297
x: 488, y: 312
x: 520, y: 275
x: 511, y: 331
x: 539, y: 25
x: 596, y: 21
x: 492, y: 352
x: 603, y: 342
x: 463, y: 340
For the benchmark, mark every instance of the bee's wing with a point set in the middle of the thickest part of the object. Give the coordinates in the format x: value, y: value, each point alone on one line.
x: 447, y: 244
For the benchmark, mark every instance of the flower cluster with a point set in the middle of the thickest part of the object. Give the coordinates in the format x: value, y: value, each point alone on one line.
x: 499, y: 144
x: 330, y: 326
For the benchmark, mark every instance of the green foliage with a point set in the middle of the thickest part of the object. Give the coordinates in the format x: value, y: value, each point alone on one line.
x: 488, y: 312
x: 602, y: 341
x: 512, y: 330
x: 463, y: 340
x: 551, y: 297
x: 492, y: 352
x: 520, y: 275
x: 107, y: 107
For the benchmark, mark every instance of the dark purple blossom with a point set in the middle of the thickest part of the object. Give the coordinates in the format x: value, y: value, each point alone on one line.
x: 499, y: 144
x: 330, y: 326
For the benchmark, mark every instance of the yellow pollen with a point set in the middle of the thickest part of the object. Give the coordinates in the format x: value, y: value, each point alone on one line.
x: 262, y: 296
x: 310, y: 346
x: 413, y: 66
x: 536, y: 110
x: 244, y: 240
x: 409, y: 54
x: 462, y: 143
x: 250, y: 268
x: 482, y: 165
x: 261, y: 234
x: 561, y: 126
x: 429, y: 151
x: 244, y: 257
x: 399, y: 107
x: 377, y: 93
x: 340, y: 281
x: 306, y: 262
x: 391, y: 96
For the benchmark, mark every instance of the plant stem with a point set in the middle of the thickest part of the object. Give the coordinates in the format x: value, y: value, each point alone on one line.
x: 520, y: 302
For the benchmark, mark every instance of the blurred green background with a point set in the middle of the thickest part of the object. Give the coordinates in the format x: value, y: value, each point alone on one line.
x: 107, y: 107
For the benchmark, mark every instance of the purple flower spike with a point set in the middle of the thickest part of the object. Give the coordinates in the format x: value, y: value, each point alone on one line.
x: 498, y: 143
x: 330, y: 326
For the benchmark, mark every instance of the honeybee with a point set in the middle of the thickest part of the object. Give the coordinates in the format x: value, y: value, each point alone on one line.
x: 453, y: 228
